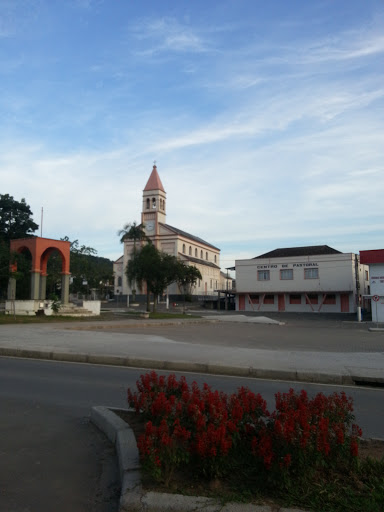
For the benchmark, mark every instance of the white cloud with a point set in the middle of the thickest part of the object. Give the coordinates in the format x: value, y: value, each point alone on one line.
x: 168, y: 35
x: 262, y: 140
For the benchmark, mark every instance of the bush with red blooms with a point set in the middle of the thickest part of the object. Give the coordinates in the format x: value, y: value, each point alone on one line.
x: 215, y: 434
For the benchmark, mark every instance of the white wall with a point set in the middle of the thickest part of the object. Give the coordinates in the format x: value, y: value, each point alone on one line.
x: 377, y: 291
x: 336, y: 276
x: 336, y: 273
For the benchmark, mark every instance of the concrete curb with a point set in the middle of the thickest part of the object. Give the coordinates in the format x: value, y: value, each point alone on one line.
x: 182, y: 366
x: 133, y: 498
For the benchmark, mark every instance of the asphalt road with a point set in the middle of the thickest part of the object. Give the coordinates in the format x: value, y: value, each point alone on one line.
x: 52, y: 458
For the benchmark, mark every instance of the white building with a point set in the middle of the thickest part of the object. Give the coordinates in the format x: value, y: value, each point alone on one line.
x: 301, y: 279
x: 188, y: 248
x: 375, y: 260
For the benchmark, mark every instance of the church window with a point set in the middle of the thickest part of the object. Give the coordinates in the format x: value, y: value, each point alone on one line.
x: 190, y: 250
x: 215, y: 258
x: 196, y: 253
x: 201, y: 254
x: 153, y: 202
x: 148, y: 203
x: 183, y: 248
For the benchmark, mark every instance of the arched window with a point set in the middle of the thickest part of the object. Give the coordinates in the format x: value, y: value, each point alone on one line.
x: 161, y: 204
x: 190, y: 250
x: 196, y: 253
x: 206, y: 256
x: 201, y: 254
x: 148, y: 203
x: 154, y: 203
x: 215, y: 258
x: 184, y: 248
x: 119, y: 281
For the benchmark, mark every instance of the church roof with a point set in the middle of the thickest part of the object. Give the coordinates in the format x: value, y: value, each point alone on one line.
x: 188, y: 235
x: 154, y: 181
x: 314, y: 250
x: 200, y: 261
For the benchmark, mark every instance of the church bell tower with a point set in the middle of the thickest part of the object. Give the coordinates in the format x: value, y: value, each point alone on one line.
x: 154, y: 199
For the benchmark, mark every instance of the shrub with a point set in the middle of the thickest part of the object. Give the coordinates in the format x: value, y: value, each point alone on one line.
x: 214, y: 434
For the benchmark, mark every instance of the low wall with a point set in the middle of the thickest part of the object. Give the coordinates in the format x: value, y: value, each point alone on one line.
x: 23, y: 307
x: 92, y: 305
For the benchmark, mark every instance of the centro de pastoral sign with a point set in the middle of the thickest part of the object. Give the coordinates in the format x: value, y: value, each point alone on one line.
x: 287, y: 265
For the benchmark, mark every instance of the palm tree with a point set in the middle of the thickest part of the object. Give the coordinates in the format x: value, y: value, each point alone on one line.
x: 136, y: 233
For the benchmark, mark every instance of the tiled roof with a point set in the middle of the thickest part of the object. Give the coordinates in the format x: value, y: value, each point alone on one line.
x: 154, y: 181
x: 314, y: 250
x: 199, y: 261
x: 188, y: 235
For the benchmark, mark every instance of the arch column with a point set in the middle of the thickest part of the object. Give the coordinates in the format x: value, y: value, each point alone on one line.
x: 35, y: 284
x: 43, y: 286
x: 65, y: 287
x: 11, y: 294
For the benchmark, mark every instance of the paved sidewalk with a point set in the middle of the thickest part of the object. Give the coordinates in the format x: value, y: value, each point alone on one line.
x: 152, y: 344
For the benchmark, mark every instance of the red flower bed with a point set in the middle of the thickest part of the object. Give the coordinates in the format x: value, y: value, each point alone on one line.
x: 215, y: 434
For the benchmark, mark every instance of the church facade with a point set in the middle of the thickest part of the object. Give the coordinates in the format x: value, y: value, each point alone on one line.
x: 191, y: 249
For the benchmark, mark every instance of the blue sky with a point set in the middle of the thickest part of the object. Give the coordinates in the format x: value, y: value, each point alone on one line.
x: 266, y: 119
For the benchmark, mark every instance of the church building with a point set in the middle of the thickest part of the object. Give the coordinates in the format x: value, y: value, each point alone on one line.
x: 169, y: 239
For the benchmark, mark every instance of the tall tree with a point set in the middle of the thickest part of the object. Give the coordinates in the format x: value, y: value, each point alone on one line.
x: 15, y: 222
x: 136, y: 233
x: 187, y: 276
x: 87, y: 270
x: 133, y: 232
x: 15, y: 219
x: 157, y: 269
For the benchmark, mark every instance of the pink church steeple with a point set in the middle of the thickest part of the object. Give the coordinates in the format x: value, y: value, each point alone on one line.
x: 154, y: 198
x: 154, y: 181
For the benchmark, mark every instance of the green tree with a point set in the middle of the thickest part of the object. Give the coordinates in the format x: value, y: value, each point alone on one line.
x: 15, y: 222
x: 15, y: 219
x: 157, y: 269
x: 87, y: 270
x: 187, y: 276
x: 136, y: 233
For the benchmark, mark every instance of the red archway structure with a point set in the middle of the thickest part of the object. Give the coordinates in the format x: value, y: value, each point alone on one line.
x: 40, y: 249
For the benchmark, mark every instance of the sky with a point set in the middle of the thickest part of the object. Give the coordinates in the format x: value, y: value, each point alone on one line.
x: 265, y: 119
